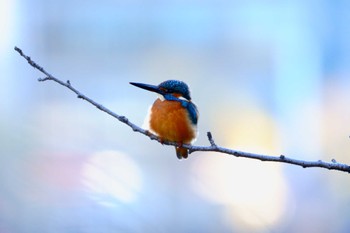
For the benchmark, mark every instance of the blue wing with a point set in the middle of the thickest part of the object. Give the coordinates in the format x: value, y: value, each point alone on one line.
x: 192, y: 111
x: 190, y: 107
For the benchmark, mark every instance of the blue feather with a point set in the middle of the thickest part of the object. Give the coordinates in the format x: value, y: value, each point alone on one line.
x: 192, y: 111
x: 190, y: 107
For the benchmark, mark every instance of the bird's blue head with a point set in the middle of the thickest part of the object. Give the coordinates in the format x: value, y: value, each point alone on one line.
x: 174, y: 87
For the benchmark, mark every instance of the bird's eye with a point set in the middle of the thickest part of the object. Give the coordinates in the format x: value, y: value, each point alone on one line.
x: 165, y: 90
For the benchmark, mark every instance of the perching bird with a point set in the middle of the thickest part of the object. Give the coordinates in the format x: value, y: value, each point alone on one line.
x: 173, y: 117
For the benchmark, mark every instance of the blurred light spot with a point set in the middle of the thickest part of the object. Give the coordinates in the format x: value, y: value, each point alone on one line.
x: 251, y: 129
x: 253, y: 193
x: 111, y: 175
x: 7, y: 23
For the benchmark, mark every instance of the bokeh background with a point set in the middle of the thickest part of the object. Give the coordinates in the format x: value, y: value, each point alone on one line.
x: 269, y: 77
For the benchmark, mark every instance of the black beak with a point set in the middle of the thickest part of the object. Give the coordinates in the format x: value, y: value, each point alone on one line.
x: 148, y: 87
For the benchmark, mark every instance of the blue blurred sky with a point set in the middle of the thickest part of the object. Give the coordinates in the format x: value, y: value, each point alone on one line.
x: 269, y: 77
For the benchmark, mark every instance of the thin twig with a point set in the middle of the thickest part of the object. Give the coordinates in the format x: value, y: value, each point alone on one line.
x: 333, y: 165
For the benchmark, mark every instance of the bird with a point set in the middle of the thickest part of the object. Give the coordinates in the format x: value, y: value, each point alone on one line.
x: 173, y: 116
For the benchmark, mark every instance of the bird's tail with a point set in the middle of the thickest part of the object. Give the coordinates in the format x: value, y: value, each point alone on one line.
x: 181, y: 152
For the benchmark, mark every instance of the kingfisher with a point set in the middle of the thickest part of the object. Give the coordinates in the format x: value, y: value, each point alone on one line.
x: 173, y: 116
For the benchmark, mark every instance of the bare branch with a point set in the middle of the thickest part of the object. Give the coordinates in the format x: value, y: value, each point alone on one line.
x: 333, y: 165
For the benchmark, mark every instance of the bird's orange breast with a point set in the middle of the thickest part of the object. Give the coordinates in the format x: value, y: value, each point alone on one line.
x: 171, y: 122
